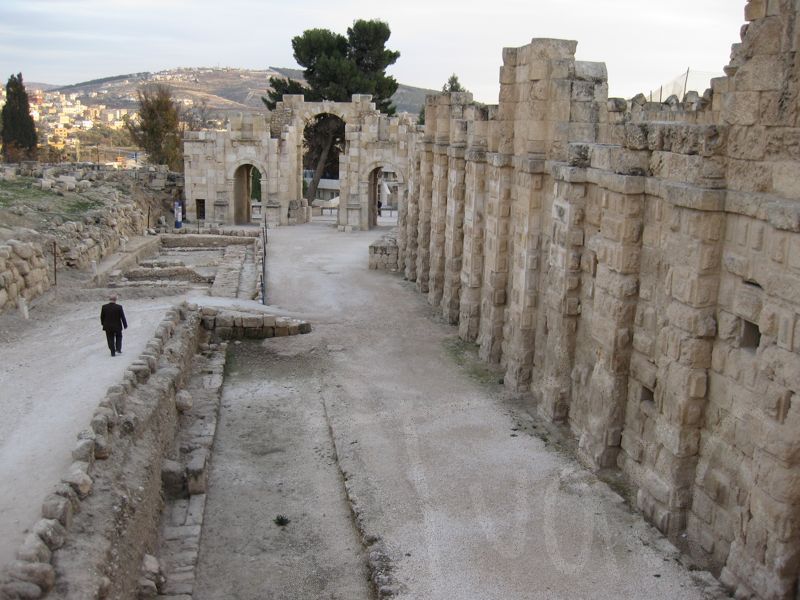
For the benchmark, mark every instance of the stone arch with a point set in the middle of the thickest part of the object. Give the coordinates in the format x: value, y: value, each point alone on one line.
x: 244, y: 209
x: 368, y: 182
x: 342, y: 111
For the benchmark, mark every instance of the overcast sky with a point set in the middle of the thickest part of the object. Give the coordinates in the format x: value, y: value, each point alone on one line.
x: 643, y: 42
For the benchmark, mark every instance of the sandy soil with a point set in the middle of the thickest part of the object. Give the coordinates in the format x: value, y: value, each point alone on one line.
x: 454, y: 478
x: 54, y: 370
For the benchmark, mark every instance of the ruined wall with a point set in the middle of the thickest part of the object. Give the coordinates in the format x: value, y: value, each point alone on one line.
x: 122, y: 200
x: 635, y: 268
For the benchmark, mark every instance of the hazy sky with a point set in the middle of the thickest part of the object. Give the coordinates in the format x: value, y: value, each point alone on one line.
x: 643, y: 42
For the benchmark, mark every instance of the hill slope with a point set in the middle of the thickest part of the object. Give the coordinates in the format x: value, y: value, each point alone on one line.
x: 222, y: 89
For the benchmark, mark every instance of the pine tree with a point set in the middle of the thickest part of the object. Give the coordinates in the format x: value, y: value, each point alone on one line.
x: 19, y: 132
x: 453, y: 85
x: 158, y: 129
x: 335, y: 67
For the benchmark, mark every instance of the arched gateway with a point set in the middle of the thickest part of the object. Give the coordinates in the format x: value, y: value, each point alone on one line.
x: 219, y: 165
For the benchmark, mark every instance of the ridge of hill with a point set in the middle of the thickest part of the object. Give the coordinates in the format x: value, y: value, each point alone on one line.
x: 222, y: 89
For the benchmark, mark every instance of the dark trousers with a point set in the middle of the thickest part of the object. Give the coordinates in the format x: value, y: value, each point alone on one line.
x: 114, y: 339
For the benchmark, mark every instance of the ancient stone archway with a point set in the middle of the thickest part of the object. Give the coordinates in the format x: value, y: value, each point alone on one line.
x: 387, y: 183
x: 274, y: 145
x: 246, y: 200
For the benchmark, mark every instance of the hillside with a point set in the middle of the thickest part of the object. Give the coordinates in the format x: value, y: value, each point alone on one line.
x: 223, y: 89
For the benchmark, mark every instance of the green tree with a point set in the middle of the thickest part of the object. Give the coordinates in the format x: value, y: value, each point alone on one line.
x: 334, y: 68
x: 158, y: 129
x: 18, y: 133
x: 453, y: 85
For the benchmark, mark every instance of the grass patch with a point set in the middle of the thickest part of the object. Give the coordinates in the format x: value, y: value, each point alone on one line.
x: 79, y: 205
x: 465, y: 355
x: 281, y: 520
x: 21, y: 190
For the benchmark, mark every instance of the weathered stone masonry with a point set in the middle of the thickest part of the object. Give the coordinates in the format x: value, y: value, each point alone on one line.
x: 273, y: 144
x: 636, y: 268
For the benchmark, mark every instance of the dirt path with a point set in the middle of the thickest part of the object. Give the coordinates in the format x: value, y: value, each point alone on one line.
x: 273, y: 456
x: 449, y: 479
x: 54, y: 370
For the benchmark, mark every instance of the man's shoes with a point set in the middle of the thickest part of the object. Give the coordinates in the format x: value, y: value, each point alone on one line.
x: 119, y: 351
x: 112, y: 355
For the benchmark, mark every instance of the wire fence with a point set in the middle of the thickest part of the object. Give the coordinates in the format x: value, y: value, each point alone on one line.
x: 689, y: 80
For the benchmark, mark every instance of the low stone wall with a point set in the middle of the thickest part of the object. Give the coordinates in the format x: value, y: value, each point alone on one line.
x: 234, y: 325
x: 251, y: 232
x: 384, y: 254
x: 23, y: 273
x: 99, y: 529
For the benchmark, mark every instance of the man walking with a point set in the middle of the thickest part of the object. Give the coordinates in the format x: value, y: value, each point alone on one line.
x: 112, y: 318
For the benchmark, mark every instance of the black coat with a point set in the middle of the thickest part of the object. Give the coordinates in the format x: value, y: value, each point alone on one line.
x: 112, y: 317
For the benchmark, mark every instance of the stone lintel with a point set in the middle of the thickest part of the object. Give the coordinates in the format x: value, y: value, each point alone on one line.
x: 615, y: 182
x: 475, y: 154
x: 564, y: 172
x: 687, y: 196
x: 456, y: 151
x: 780, y: 213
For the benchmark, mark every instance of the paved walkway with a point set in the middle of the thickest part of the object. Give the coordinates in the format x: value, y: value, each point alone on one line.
x: 447, y: 478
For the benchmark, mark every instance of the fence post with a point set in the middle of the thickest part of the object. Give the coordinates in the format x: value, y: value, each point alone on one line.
x: 264, y: 265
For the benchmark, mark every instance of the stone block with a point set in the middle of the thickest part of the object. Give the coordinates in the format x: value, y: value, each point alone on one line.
x: 252, y: 322
x: 173, y: 479
x: 80, y: 482
x: 34, y: 550
x: 20, y: 590
x: 40, y: 574
x: 58, y: 508
x: 183, y: 401
x: 196, y: 473
x: 52, y: 533
x: 223, y: 321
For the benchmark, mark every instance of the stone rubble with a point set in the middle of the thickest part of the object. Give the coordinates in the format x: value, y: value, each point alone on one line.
x: 384, y: 253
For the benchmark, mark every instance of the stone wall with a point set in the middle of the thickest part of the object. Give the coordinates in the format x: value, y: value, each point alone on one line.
x: 634, y: 268
x: 23, y: 273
